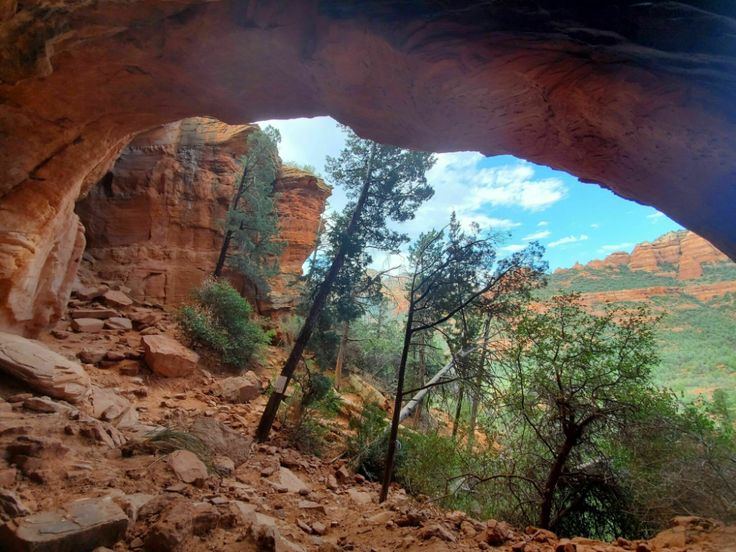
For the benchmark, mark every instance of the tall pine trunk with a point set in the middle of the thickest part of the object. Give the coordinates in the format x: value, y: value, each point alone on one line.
x: 287, y: 372
x: 391, y: 453
x: 223, y: 254
x: 458, y: 411
x: 341, y: 354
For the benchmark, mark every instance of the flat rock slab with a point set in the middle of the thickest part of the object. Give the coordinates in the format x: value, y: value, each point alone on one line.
x: 82, y: 525
x: 116, y: 298
x: 88, y: 325
x: 118, y: 323
x: 92, y: 313
x: 167, y: 357
x: 42, y: 369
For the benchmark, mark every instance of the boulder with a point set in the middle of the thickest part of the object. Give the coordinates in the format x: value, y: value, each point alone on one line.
x: 177, y: 522
x: 167, y: 357
x: 240, y: 389
x: 188, y: 467
x: 118, y: 323
x: 83, y: 525
x: 116, y: 298
x: 222, y: 440
x: 88, y: 325
x: 42, y: 369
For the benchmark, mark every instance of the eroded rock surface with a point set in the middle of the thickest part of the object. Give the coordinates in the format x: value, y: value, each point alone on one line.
x: 155, y: 221
x: 636, y: 96
x: 42, y: 369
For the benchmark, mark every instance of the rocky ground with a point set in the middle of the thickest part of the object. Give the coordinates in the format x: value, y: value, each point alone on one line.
x: 79, y: 470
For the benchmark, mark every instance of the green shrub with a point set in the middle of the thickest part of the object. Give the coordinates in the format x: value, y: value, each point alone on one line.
x: 367, y: 449
x: 220, y: 319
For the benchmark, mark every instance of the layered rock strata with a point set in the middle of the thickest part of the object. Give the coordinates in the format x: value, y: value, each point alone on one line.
x: 636, y: 96
x: 155, y: 221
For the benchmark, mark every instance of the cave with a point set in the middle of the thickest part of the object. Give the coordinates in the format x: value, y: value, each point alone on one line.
x: 636, y: 97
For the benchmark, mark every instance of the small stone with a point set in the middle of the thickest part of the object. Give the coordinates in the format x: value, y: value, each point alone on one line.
x: 304, y: 526
x: 223, y: 465
x: 91, y: 356
x: 293, y: 484
x: 188, y: 467
x: 129, y: 368
x: 319, y: 528
x: 11, y: 505
x: 118, y: 323
x: 343, y: 474
x: 566, y: 547
x: 18, y: 397
x: 87, y: 325
x: 332, y: 483
x: 114, y: 356
x: 59, y: 334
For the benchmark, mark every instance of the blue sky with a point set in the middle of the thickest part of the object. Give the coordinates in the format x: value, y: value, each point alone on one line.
x: 575, y: 222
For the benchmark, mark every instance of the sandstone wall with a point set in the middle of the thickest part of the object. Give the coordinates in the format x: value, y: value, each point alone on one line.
x: 637, y: 97
x: 154, y: 222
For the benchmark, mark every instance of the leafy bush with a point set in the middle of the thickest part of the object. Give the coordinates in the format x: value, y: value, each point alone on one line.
x: 220, y: 319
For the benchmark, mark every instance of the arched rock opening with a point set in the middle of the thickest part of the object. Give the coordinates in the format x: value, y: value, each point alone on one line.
x: 637, y: 97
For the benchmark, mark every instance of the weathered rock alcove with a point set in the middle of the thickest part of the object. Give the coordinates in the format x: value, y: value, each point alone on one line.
x: 154, y: 222
x: 637, y: 97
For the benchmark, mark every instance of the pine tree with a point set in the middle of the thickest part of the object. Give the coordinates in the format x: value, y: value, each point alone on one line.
x: 249, y: 246
x: 383, y: 183
x: 452, y: 270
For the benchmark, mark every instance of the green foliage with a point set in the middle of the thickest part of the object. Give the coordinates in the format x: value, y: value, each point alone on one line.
x: 695, y: 338
x: 367, y: 448
x: 249, y: 246
x: 220, y: 319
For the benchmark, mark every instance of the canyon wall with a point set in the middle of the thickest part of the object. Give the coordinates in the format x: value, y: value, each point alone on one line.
x: 679, y: 254
x: 637, y: 97
x: 155, y: 221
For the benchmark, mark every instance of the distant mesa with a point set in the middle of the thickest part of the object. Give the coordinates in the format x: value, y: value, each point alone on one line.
x: 680, y: 255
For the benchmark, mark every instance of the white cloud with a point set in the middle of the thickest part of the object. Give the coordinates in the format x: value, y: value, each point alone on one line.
x: 543, y: 223
x: 485, y: 222
x: 568, y: 239
x: 537, y: 235
x: 512, y: 248
x: 654, y: 216
x: 615, y: 247
x: 595, y: 225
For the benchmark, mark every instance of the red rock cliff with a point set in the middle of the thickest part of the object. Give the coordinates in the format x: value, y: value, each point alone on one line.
x: 154, y: 221
x: 636, y: 96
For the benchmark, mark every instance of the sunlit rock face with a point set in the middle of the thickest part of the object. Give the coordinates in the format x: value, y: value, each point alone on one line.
x: 155, y: 221
x: 680, y: 254
x: 637, y: 97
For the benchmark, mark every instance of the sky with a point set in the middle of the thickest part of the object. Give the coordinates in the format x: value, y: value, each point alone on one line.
x: 575, y: 222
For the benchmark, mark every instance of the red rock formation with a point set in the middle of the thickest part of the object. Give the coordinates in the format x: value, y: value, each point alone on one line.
x: 154, y: 222
x: 623, y: 94
x: 685, y: 252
